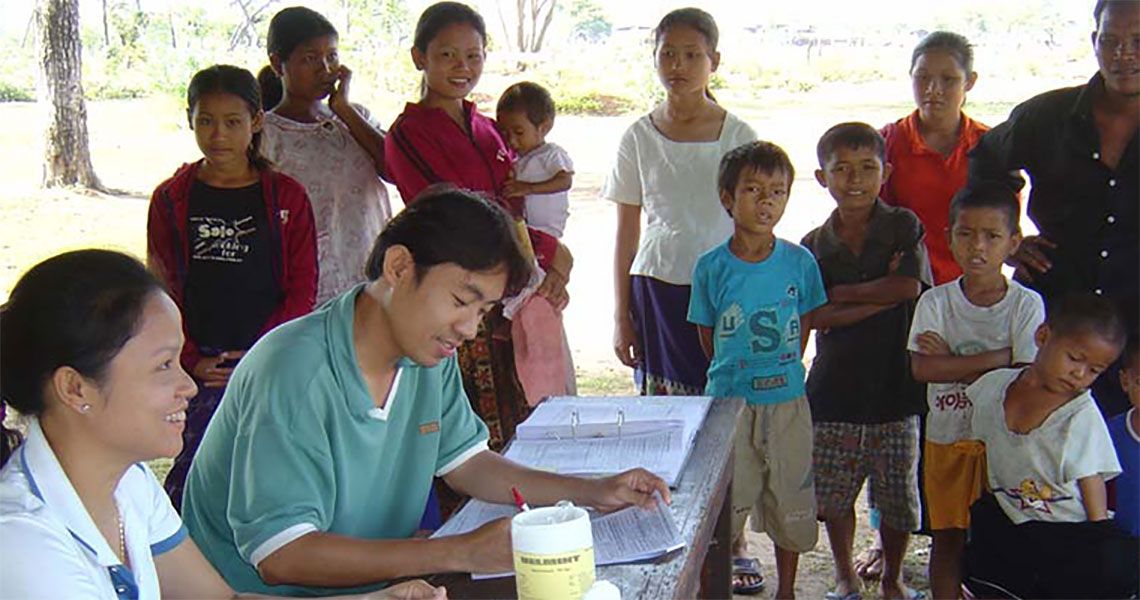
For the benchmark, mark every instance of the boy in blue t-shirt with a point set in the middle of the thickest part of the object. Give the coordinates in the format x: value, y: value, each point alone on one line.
x: 1124, y: 429
x: 751, y: 300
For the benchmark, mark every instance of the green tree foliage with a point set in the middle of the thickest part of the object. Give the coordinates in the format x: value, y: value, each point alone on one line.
x: 381, y: 23
x: 128, y: 31
x: 590, y: 23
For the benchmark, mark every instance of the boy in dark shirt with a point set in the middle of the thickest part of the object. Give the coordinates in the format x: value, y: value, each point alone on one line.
x: 864, y: 402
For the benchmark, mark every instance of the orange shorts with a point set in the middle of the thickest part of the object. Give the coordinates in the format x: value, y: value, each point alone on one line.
x: 953, y: 478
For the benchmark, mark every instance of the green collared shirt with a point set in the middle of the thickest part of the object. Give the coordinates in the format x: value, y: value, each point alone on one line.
x: 297, y: 445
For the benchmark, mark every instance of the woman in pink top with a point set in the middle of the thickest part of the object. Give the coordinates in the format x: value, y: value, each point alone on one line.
x: 443, y: 139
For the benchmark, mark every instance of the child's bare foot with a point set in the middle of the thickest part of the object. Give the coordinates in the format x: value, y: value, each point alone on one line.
x: 897, y: 591
x: 782, y: 594
x: 869, y: 563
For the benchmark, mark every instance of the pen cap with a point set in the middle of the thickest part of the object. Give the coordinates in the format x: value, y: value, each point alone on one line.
x: 553, y: 552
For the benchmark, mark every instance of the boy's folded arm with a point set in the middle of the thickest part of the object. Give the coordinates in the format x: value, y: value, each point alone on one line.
x: 561, y: 182
x: 842, y: 314
x: 889, y: 290
x: 1094, y: 497
x: 929, y: 368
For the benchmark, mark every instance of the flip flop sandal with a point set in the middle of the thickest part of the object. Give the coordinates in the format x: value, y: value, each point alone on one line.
x: 747, y: 568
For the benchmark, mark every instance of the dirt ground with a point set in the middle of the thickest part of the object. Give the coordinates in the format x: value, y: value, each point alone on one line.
x: 815, y: 576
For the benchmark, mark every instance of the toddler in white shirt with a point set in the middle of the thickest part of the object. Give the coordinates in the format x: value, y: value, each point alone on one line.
x: 541, y: 178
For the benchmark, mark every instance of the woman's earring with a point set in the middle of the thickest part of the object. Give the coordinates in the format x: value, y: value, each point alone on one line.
x: 85, y: 408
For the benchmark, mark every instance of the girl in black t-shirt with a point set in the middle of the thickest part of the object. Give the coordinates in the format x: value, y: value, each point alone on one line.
x: 232, y: 239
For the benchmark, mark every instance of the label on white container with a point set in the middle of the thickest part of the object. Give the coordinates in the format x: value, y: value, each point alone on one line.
x: 553, y: 553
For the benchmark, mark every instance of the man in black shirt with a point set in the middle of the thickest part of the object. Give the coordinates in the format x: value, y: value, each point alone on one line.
x: 1079, y: 146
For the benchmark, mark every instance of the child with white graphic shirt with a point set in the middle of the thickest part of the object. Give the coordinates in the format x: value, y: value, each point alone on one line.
x: 961, y: 330
x: 1044, y: 533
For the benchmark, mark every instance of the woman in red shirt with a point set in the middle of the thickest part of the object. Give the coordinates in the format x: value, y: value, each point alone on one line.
x: 444, y: 139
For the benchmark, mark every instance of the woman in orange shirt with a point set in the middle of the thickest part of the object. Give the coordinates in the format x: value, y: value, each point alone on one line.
x: 928, y: 147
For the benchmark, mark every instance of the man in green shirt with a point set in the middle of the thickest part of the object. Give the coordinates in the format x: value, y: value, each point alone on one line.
x: 313, y: 475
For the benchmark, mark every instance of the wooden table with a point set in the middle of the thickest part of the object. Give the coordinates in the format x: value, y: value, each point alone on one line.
x: 702, y: 505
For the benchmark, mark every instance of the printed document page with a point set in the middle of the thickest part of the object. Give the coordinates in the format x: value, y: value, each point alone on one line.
x: 661, y: 452
x: 631, y: 534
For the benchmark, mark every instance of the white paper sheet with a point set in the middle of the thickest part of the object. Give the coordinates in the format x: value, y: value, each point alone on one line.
x: 661, y: 452
x: 628, y: 535
x: 634, y: 534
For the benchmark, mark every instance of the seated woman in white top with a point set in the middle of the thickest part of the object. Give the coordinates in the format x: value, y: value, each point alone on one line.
x: 90, y: 353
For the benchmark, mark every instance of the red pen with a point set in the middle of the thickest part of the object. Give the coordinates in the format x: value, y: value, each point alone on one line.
x: 519, y: 502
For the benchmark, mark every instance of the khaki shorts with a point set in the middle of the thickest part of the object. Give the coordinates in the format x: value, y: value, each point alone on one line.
x: 953, y: 476
x: 772, y: 478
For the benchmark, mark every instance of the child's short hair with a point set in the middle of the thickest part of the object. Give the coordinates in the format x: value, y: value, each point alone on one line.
x: 988, y: 194
x: 850, y: 135
x: 947, y: 41
x: 530, y: 98
x: 1081, y: 313
x: 762, y: 156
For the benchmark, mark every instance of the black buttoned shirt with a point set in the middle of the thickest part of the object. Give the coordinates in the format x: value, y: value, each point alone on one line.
x: 1088, y: 209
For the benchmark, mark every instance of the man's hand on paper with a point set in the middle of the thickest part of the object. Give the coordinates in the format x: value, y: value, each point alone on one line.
x: 635, y: 486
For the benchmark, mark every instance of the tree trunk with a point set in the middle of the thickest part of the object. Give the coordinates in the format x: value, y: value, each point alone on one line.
x: 173, y: 32
x: 521, y: 12
x: 503, y: 22
x: 67, y: 158
x: 545, y: 25
x: 106, y: 29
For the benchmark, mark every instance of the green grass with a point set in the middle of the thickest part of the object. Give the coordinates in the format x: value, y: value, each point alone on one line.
x: 605, y: 382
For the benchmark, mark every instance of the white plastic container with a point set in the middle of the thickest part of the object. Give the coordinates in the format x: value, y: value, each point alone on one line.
x: 554, y: 553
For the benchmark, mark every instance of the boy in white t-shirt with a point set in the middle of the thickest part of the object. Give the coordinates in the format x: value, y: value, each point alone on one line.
x: 1044, y: 531
x: 543, y: 171
x: 961, y: 330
